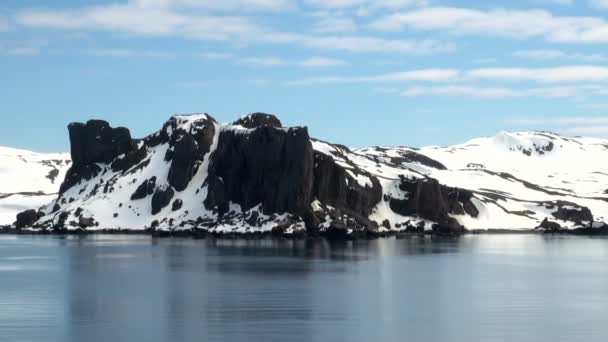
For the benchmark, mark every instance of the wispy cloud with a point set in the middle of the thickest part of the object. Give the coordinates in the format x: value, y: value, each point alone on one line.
x: 154, y: 18
x: 571, y: 120
x: 499, y: 22
x: 602, y: 4
x: 321, y: 62
x: 366, y: 3
x: 576, y: 73
x: 558, y: 54
x: 270, y: 61
x: 561, y: 74
x: 124, y: 53
x: 491, y: 92
x: 594, y: 126
x: 217, y: 55
x: 224, y: 5
x: 262, y: 61
x: 429, y: 75
x: 332, y: 22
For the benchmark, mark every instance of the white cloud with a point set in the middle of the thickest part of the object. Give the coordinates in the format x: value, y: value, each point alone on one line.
x: 22, y: 51
x: 428, y: 75
x: 270, y: 61
x: 595, y: 126
x: 223, y: 5
x: 320, y: 62
x: 262, y: 61
x: 134, y: 19
x: 556, y: 74
x: 329, y: 22
x: 366, y: 3
x: 491, y: 92
x: 553, y: 2
x: 562, y: 74
x: 217, y: 55
x: 130, y: 53
x: 600, y: 3
x: 162, y: 21
x: 372, y: 44
x: 499, y: 22
x: 573, y: 120
x: 558, y: 54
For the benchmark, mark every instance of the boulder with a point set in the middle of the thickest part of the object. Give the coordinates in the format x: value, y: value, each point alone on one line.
x: 26, y: 218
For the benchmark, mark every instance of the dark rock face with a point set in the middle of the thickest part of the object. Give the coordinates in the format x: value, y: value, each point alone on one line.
x: 94, y: 142
x: 335, y: 187
x: 97, y: 142
x: 26, y: 218
x: 161, y: 198
x: 430, y: 200
x: 257, y: 120
x: 188, y: 151
x: 270, y: 166
x: 144, y: 189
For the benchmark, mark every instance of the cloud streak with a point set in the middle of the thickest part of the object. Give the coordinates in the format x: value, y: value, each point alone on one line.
x: 499, y: 22
x: 154, y: 18
x: 560, y: 74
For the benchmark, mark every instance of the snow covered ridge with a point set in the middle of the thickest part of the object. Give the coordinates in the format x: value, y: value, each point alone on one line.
x: 256, y: 176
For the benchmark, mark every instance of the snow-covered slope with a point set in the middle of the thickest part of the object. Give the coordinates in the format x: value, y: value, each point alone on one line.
x: 254, y: 175
x: 28, y: 180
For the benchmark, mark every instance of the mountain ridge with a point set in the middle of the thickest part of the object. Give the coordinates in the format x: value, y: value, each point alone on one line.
x: 256, y: 176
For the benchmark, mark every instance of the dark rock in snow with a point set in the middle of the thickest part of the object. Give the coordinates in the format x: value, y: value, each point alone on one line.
x: 86, y: 222
x: 161, y: 198
x: 177, y: 205
x: 144, y: 189
x: 567, y: 211
x: 549, y: 225
x: 26, y: 218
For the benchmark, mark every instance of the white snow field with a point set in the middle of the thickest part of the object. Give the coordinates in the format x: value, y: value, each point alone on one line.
x: 28, y: 180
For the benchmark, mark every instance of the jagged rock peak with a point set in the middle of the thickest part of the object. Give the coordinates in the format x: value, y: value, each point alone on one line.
x: 258, y: 119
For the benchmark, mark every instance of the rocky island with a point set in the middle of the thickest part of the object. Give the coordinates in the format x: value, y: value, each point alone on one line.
x: 254, y: 176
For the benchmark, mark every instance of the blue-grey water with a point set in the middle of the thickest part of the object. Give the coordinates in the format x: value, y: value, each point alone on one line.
x: 138, y: 288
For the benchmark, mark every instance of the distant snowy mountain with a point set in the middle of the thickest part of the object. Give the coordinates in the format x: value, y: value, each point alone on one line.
x: 28, y: 180
x: 254, y: 176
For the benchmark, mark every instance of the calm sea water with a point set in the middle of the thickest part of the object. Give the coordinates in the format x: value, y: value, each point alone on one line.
x: 137, y: 288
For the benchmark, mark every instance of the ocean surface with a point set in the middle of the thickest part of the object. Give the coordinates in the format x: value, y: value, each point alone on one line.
x: 138, y: 288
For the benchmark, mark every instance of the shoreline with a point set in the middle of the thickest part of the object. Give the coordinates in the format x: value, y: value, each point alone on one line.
x: 203, y: 234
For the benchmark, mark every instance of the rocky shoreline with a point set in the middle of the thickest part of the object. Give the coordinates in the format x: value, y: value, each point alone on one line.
x: 202, y: 234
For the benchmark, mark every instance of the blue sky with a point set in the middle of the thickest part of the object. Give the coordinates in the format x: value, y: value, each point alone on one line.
x: 357, y: 72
